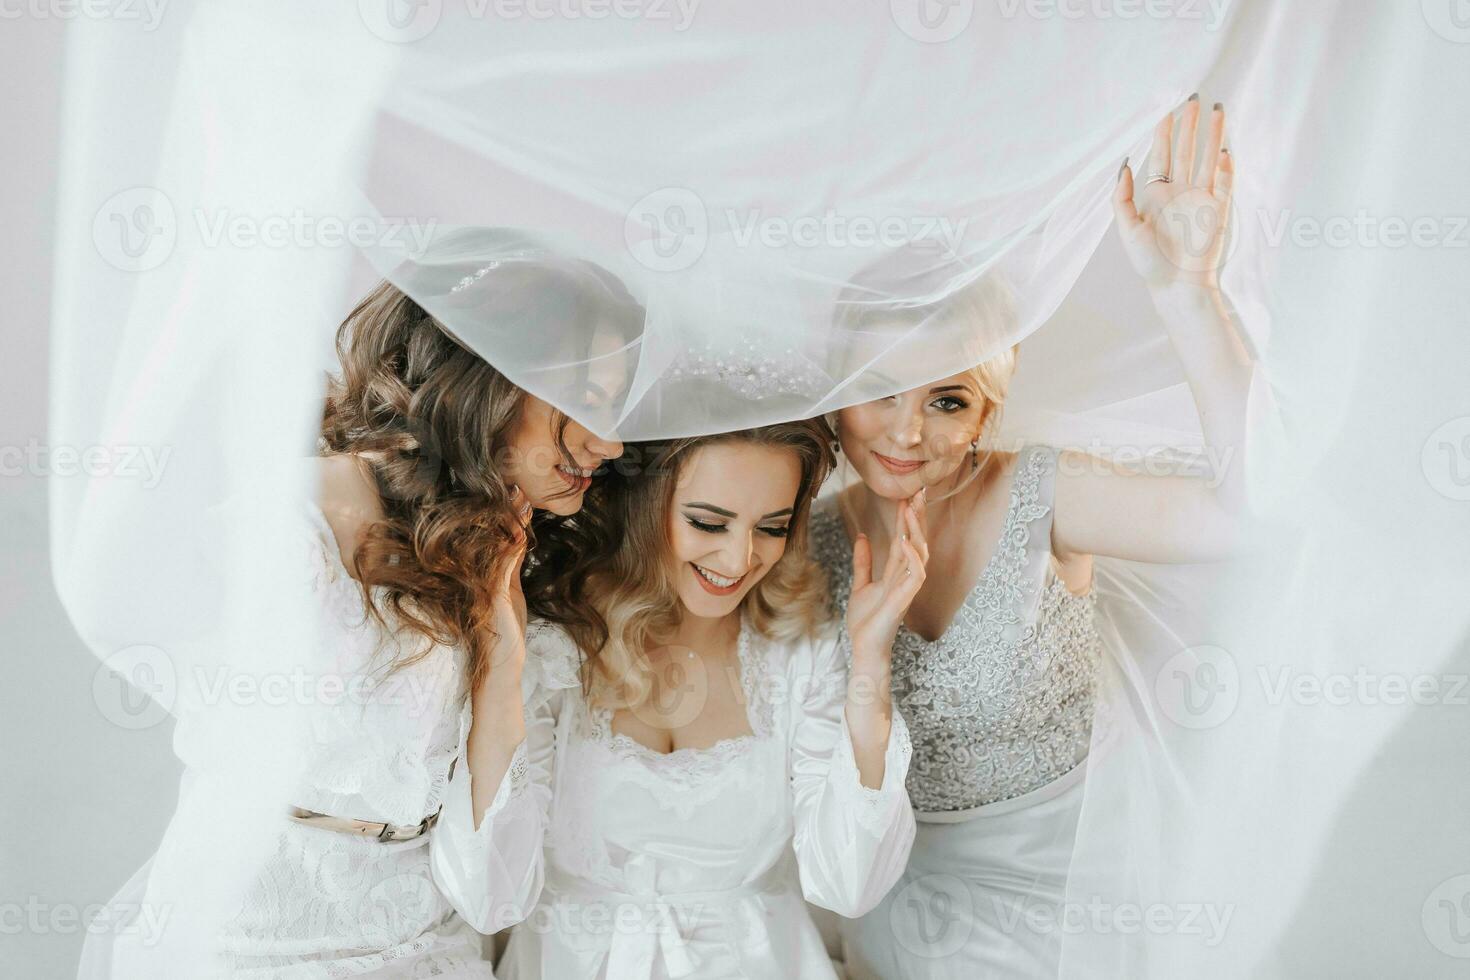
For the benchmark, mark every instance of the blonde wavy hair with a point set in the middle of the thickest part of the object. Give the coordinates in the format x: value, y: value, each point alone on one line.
x: 605, y: 576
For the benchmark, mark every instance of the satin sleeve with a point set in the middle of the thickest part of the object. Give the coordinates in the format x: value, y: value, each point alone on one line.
x: 493, y: 874
x: 851, y: 842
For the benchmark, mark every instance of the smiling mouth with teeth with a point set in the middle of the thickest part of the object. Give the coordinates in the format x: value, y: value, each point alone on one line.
x: 716, y: 584
x: 577, y: 477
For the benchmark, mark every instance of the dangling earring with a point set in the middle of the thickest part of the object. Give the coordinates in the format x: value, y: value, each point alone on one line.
x: 975, y: 453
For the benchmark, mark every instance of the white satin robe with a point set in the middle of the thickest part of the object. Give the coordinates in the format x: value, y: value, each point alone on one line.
x: 696, y: 863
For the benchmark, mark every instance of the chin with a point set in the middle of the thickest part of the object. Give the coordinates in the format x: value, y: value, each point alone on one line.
x: 708, y: 606
x: 562, y: 506
x: 891, y: 486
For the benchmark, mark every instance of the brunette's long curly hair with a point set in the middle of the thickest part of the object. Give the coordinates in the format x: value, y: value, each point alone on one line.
x: 431, y: 419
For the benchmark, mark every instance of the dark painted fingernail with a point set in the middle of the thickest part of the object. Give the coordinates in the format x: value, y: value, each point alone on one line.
x: 1194, y: 97
x: 1219, y: 106
x: 1121, y: 169
x: 1224, y: 149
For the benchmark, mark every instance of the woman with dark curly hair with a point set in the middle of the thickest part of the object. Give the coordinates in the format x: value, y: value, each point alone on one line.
x: 414, y: 826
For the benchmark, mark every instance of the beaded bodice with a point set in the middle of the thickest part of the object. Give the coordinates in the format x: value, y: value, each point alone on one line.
x: 1001, y: 704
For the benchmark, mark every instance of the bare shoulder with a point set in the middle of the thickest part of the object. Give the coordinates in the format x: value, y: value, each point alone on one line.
x: 348, y: 499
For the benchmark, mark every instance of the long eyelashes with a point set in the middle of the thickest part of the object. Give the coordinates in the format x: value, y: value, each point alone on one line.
x: 950, y: 404
x: 707, y: 528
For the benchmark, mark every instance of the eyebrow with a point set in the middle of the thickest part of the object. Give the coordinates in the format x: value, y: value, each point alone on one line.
x: 935, y: 391
x: 730, y: 513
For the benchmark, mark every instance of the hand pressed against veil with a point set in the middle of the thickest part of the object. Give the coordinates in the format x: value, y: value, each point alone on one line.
x: 1174, y: 232
x: 1174, y: 229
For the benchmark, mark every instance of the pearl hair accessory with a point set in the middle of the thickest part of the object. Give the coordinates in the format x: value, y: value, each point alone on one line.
x: 750, y: 371
x: 470, y: 280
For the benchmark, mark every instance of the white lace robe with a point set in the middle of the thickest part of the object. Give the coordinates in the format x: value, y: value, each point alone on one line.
x: 330, y: 904
x: 695, y: 863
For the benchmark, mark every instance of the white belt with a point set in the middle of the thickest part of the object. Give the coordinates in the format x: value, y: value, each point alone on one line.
x: 631, y: 952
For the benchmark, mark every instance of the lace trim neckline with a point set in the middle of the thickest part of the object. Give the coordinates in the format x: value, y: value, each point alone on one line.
x: 717, y: 751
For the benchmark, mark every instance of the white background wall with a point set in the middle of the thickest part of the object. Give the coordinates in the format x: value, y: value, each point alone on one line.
x: 83, y: 802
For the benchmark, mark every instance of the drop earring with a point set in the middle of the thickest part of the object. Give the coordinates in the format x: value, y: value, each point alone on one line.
x: 974, y: 454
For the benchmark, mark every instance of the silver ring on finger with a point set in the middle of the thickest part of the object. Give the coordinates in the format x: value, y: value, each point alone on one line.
x: 1159, y: 177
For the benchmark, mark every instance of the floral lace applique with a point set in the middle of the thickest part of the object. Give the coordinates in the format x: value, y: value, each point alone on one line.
x: 1001, y: 704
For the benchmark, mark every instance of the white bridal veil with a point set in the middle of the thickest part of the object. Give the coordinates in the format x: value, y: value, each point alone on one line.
x: 789, y: 194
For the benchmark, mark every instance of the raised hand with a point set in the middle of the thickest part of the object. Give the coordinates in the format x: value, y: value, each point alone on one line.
x: 1174, y: 226
x: 509, y: 618
x: 879, y: 600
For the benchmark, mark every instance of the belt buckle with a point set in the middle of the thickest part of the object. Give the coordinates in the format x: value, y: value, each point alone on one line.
x: 391, y: 834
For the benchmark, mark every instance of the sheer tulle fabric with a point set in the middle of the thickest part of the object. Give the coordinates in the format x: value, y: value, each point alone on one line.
x: 733, y: 176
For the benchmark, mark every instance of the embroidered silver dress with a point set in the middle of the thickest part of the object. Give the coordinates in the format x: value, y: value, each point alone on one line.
x: 999, y: 709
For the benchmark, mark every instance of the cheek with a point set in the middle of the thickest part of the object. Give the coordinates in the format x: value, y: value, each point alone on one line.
x: 684, y: 542
x: 949, y: 436
x: 770, y: 549
x: 859, y: 423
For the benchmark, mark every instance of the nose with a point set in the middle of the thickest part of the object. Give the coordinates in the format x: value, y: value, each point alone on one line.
x: 906, y: 426
x: 605, y: 448
x: 737, y: 553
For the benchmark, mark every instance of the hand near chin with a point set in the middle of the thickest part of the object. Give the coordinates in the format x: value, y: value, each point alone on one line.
x: 880, y: 598
x: 508, y: 615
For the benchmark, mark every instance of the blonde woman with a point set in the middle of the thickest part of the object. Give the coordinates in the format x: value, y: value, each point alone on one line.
x: 707, y: 755
x: 993, y: 666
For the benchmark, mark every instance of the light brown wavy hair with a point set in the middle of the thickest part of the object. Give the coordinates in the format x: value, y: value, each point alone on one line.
x: 431, y: 419
x: 604, y: 573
